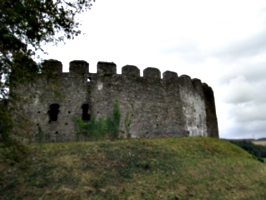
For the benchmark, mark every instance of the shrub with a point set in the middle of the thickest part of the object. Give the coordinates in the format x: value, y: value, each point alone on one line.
x: 99, y: 128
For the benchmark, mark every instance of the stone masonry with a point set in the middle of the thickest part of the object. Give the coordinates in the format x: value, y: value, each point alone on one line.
x: 168, y: 107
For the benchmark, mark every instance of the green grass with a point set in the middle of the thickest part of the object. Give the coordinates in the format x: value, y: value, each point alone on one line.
x: 168, y: 168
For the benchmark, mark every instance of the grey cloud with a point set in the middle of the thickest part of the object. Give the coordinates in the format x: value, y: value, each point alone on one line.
x: 246, y: 98
x: 255, y: 72
x: 255, y: 79
x: 252, y: 46
x: 248, y: 112
x: 240, y: 132
x: 238, y: 91
x: 188, y: 51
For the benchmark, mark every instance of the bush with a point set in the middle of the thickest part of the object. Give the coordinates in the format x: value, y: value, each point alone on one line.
x: 99, y: 128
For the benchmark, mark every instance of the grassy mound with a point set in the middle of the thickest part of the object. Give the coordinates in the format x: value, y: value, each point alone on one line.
x: 169, y: 168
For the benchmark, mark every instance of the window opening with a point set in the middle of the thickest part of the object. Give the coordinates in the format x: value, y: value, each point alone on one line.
x: 85, y: 115
x: 53, y: 112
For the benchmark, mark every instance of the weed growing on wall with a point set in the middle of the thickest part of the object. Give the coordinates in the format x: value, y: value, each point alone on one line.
x: 99, y: 128
x: 127, y: 123
x: 113, y: 122
x: 40, y: 134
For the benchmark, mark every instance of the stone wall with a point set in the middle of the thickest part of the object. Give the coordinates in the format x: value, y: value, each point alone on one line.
x: 158, y: 107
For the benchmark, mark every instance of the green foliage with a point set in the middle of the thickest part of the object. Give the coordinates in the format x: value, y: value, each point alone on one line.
x: 99, y: 128
x: 11, y: 146
x: 113, y: 122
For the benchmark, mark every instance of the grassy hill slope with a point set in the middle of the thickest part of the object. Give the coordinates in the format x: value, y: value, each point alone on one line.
x: 169, y: 168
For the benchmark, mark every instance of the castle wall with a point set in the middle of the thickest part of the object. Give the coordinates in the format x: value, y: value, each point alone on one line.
x: 158, y: 107
x: 53, y: 88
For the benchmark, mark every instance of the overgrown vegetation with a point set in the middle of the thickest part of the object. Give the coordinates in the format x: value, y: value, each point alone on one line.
x: 12, y: 133
x: 165, y: 168
x: 99, y: 128
x: 258, y: 151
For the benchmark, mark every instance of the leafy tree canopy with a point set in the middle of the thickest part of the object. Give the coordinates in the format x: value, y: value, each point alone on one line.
x: 25, y: 25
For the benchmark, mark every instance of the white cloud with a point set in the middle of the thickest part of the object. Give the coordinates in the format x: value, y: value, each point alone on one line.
x: 238, y: 91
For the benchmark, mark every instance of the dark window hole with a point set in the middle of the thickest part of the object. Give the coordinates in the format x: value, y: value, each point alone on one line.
x: 66, y: 124
x: 56, y: 132
x: 147, y: 133
x: 39, y: 111
x: 85, y: 115
x: 69, y: 112
x: 53, y: 112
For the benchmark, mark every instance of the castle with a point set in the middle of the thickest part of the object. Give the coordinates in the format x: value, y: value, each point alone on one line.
x: 158, y: 107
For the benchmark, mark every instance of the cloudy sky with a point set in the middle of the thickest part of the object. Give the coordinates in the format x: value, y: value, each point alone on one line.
x: 221, y: 42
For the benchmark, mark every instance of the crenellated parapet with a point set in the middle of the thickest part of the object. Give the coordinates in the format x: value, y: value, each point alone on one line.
x: 79, y: 67
x: 152, y: 72
x: 168, y: 75
x: 109, y: 68
x: 105, y: 68
x: 52, y: 66
x: 131, y: 70
x: 167, y: 106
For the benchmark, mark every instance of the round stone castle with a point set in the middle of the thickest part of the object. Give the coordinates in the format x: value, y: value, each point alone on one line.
x: 158, y: 107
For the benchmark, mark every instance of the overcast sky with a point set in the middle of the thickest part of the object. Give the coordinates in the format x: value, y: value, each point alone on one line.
x: 221, y: 42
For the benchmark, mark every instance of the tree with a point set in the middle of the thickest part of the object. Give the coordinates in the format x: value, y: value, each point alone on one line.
x: 26, y: 25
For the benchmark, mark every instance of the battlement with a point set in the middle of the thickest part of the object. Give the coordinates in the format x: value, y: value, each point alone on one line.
x: 131, y: 70
x: 52, y: 66
x: 109, y: 69
x: 79, y: 67
x: 168, y: 75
